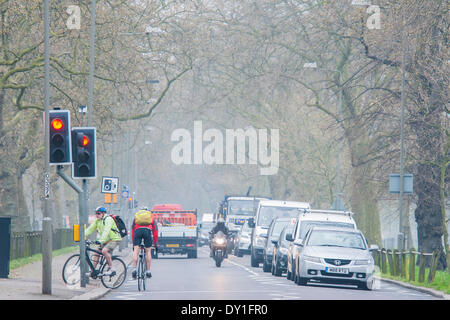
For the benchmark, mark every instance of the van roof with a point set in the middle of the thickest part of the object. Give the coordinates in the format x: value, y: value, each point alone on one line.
x: 281, y: 203
x: 245, y: 198
x: 316, y: 216
x: 324, y: 228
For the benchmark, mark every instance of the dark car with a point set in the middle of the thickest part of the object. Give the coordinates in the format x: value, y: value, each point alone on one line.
x: 280, y: 252
x: 275, y: 228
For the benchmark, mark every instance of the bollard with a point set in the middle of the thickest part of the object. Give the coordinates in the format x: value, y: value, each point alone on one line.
x: 422, y: 267
x: 412, y: 265
x: 434, y: 264
x: 403, y: 264
x: 377, y: 258
x: 448, y: 262
x: 391, y: 262
x: 383, y: 261
x: 5, y: 246
x: 395, y: 262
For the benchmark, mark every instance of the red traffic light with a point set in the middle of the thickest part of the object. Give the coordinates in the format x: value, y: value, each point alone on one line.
x: 57, y: 124
x: 84, y: 141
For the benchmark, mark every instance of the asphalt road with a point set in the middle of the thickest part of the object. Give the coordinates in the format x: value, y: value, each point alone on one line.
x: 178, y: 278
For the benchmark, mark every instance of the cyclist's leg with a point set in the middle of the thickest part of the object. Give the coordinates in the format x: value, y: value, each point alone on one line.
x: 135, y: 256
x: 107, y: 252
x: 148, y: 256
x: 148, y: 242
x: 95, y: 259
x: 136, y: 242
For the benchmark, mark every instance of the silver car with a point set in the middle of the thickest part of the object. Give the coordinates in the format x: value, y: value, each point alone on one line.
x: 335, y: 255
x: 243, y: 239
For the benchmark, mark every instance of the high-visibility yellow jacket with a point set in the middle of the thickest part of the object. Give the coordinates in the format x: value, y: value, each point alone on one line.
x: 106, y: 228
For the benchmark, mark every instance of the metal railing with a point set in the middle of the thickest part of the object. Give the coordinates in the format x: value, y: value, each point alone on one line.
x: 26, y: 244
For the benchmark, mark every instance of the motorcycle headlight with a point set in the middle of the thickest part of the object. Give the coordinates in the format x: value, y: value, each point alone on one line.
x: 220, y: 241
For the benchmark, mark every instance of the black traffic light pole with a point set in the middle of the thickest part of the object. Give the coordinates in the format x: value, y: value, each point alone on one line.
x: 83, y: 205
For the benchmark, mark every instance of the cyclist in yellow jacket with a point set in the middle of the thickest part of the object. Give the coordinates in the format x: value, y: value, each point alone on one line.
x: 109, y: 236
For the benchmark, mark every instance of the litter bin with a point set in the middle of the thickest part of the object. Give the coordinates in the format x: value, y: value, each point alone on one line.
x: 5, y: 245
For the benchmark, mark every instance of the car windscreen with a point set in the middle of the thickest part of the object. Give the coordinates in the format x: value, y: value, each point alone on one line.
x: 278, y: 227
x: 306, y: 225
x: 246, y: 228
x: 207, y: 227
x: 332, y: 238
x: 267, y: 214
x: 240, y: 208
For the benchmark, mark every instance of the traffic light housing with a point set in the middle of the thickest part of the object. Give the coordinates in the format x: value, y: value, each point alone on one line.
x: 84, y: 153
x: 60, y: 138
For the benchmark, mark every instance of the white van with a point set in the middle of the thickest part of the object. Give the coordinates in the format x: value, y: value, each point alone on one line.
x: 266, y: 212
x: 313, y: 218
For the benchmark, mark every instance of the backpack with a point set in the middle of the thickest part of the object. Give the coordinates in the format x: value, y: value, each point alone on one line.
x: 143, y: 217
x: 120, y: 225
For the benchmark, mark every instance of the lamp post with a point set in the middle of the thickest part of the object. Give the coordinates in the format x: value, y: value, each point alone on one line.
x: 47, y: 222
x: 338, y: 202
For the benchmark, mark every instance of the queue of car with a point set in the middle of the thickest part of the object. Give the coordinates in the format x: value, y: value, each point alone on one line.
x: 309, y: 245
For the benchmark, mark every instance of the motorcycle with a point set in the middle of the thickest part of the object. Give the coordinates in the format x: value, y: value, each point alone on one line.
x: 219, y: 247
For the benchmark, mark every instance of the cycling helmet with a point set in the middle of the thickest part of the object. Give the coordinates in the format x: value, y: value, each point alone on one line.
x: 100, y: 210
x: 144, y: 208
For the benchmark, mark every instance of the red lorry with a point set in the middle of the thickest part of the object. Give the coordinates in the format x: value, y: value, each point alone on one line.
x: 177, y: 229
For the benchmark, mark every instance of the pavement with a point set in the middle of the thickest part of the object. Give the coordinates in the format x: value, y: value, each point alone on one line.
x: 25, y: 283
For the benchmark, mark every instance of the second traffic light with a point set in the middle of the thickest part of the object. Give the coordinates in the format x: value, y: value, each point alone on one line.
x: 59, y: 134
x: 84, y: 153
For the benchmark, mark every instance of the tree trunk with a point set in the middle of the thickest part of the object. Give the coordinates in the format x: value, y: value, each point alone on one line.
x: 427, y: 178
x: 364, y: 188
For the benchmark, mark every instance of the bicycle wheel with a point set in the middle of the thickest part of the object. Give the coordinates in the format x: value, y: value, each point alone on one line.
x: 71, y: 270
x: 116, y: 280
x: 141, y: 274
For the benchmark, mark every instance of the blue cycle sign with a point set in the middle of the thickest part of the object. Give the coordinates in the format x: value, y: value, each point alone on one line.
x: 125, y: 191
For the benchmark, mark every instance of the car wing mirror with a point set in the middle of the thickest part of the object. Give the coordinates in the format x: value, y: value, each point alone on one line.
x: 289, y: 237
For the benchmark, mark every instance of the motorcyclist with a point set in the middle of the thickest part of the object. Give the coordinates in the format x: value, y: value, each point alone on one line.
x: 220, y: 226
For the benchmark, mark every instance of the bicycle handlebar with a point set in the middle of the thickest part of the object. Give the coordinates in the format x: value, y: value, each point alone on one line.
x: 89, y: 242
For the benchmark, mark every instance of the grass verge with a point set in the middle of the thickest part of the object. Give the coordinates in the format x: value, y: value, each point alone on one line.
x: 20, y: 262
x: 441, y: 281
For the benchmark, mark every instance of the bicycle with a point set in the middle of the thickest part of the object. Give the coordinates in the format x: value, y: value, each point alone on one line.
x: 142, y: 268
x: 71, y: 269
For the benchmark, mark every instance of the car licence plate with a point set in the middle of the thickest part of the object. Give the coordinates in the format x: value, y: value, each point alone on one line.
x: 336, y: 270
x: 172, y: 245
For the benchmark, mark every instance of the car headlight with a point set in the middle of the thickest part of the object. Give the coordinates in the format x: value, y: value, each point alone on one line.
x: 260, y: 241
x: 363, y: 262
x: 312, y: 259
